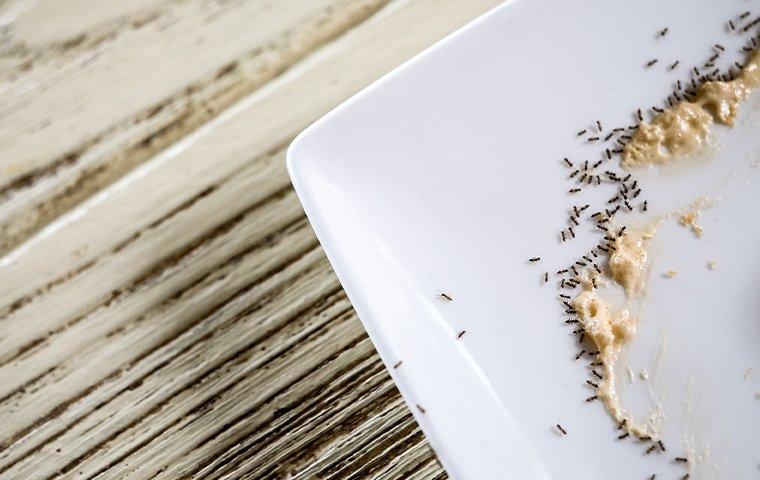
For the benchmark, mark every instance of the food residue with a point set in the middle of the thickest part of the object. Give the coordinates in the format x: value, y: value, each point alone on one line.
x: 689, y: 219
x: 620, y: 258
x: 683, y: 128
x: 628, y: 259
x: 611, y: 328
x: 631, y: 377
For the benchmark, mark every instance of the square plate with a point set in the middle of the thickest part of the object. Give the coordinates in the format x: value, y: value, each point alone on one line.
x: 446, y: 176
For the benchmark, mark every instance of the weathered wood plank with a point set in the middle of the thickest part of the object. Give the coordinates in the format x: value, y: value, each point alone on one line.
x: 182, y: 321
x: 150, y: 76
x: 176, y: 176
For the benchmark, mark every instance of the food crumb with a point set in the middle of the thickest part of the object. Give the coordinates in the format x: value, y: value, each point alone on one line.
x: 671, y: 273
x: 631, y: 377
x: 643, y: 374
x: 689, y: 219
x: 748, y: 373
x: 713, y: 264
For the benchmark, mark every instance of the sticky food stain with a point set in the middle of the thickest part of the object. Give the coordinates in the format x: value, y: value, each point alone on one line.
x: 610, y: 328
x: 683, y: 128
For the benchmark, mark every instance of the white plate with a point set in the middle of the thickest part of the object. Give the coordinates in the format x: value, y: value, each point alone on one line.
x: 446, y: 175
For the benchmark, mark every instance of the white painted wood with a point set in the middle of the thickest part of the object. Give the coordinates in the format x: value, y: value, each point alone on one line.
x: 165, y: 307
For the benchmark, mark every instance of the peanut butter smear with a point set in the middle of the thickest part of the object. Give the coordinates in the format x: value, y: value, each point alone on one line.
x: 683, y: 128
x: 627, y: 261
x: 609, y: 328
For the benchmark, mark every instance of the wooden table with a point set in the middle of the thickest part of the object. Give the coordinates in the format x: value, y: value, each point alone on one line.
x: 166, y: 310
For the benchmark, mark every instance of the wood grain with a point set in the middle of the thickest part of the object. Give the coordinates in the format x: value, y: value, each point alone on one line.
x: 165, y: 310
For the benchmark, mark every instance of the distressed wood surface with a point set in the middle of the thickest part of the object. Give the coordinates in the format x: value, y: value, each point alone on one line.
x: 165, y: 309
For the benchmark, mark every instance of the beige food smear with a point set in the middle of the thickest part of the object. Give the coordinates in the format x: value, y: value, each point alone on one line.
x: 671, y: 273
x: 611, y: 328
x: 628, y: 260
x: 683, y: 128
